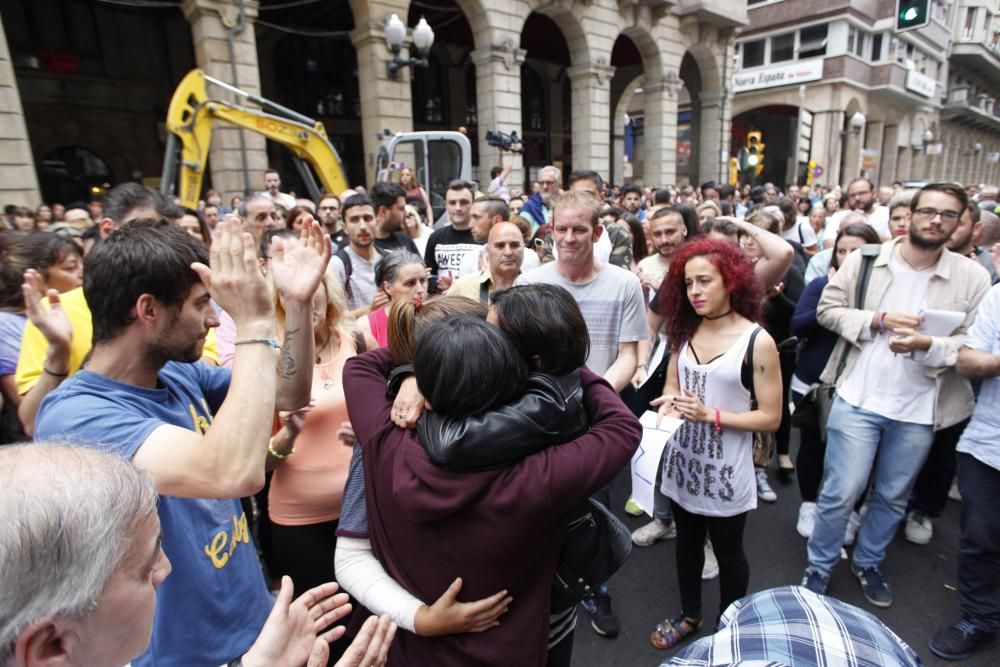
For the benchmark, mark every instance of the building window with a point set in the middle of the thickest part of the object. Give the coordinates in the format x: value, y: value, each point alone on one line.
x: 812, y: 41
x: 876, y: 47
x: 783, y: 47
x: 859, y: 45
x: 753, y: 53
x: 970, y: 22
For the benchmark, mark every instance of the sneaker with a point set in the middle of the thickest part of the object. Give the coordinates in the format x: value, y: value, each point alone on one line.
x: 958, y: 641
x: 953, y: 492
x: 632, y: 508
x: 919, y: 528
x: 873, y: 585
x: 603, y: 619
x: 807, y: 520
x: 853, y: 524
x: 764, y: 490
x: 813, y: 581
x: 652, y: 532
x: 711, y: 568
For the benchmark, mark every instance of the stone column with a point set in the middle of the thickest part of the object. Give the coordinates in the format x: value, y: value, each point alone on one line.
x: 904, y: 165
x: 18, y: 180
x: 237, y: 158
x: 386, y: 104
x: 660, y: 141
x: 591, y: 112
x: 888, y: 167
x: 498, y: 104
x: 873, y: 142
x: 709, y: 147
x: 851, y: 157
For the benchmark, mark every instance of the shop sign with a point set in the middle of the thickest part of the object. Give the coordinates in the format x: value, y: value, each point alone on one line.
x: 920, y: 83
x: 778, y: 75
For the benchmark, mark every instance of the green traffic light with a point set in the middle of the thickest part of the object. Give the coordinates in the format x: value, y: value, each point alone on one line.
x: 910, y: 14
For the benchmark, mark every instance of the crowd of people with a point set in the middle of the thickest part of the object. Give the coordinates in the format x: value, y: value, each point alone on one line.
x: 227, y: 404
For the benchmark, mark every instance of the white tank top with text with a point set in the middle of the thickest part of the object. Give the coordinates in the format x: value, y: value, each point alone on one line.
x: 706, y: 471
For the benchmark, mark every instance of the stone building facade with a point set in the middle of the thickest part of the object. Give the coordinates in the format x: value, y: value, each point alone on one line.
x: 559, y: 72
x: 833, y: 86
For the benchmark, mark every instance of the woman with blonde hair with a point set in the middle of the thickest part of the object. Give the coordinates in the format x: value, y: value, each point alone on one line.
x: 311, y: 453
x: 707, y: 210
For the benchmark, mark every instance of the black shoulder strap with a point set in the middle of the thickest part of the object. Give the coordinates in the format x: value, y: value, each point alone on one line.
x: 348, y: 268
x: 484, y: 294
x: 867, y: 262
x: 746, y: 376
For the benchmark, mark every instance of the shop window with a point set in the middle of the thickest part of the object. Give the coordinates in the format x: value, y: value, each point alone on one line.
x: 812, y: 41
x: 753, y: 53
x: 783, y: 47
x: 876, y: 47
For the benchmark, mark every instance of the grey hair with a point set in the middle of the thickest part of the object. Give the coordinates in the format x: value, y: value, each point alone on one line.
x: 391, y: 263
x: 244, y: 206
x: 902, y: 198
x: 66, y: 514
x: 554, y: 169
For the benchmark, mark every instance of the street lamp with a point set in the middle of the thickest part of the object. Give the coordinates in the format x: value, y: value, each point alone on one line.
x: 857, y: 122
x: 395, y: 33
x: 927, y: 138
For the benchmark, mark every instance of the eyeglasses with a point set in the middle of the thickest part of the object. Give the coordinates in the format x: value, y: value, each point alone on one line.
x: 546, y: 182
x: 329, y: 208
x: 931, y: 213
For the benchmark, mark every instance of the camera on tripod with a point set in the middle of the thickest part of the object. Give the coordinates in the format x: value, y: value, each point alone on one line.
x: 507, y: 142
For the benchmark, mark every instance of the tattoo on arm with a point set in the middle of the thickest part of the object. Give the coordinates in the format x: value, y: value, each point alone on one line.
x: 286, y: 363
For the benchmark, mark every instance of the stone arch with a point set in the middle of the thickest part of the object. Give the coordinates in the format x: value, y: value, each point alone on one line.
x: 652, y: 60
x: 618, y: 141
x: 569, y: 24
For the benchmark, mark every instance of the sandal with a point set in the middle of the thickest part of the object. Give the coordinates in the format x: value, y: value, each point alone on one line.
x: 670, y: 633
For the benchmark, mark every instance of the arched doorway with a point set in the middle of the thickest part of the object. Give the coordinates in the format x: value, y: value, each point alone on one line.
x: 777, y: 123
x: 546, y: 97
x: 689, y: 122
x: 316, y: 76
x: 628, y: 120
x: 73, y: 174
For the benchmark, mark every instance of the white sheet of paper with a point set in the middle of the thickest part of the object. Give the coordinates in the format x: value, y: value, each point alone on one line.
x: 941, y: 322
x: 646, y: 459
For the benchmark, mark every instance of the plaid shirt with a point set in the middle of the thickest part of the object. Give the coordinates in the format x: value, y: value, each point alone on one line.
x: 793, y: 626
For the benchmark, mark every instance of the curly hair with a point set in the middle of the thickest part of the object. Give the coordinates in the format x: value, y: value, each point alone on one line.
x: 745, y: 290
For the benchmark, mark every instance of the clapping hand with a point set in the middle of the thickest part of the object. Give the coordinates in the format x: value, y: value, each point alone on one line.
x: 297, y: 268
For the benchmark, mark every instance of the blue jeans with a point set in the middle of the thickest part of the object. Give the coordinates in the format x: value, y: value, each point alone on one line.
x: 854, y: 437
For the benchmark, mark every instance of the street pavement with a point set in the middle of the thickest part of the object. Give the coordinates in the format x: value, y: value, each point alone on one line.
x: 644, y: 591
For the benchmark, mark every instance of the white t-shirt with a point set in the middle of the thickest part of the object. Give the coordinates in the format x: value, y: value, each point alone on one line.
x: 889, y: 384
x: 802, y: 233
x: 878, y: 219
x: 706, y: 471
x: 612, y: 306
x: 655, y: 267
x: 981, y: 438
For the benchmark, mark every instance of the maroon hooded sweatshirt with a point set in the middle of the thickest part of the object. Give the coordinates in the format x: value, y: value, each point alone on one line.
x: 498, y: 530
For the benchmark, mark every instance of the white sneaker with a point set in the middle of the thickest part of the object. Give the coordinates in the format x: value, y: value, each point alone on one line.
x: 807, y: 520
x: 652, y: 532
x: 919, y: 528
x: 764, y: 490
x: 953, y: 492
x: 853, y: 523
x: 711, y: 569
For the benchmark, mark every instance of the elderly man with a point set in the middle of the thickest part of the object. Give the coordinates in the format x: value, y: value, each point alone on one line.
x: 538, y: 209
x: 201, y: 432
x: 504, y: 254
x: 484, y: 214
x: 81, y: 560
x: 257, y: 215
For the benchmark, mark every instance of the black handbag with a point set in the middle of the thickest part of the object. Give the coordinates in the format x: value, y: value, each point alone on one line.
x: 596, y: 546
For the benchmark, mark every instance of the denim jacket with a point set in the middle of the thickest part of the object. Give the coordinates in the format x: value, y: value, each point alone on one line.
x: 958, y: 284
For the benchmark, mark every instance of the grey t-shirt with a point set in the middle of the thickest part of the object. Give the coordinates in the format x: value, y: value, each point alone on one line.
x: 362, y: 288
x: 611, y: 304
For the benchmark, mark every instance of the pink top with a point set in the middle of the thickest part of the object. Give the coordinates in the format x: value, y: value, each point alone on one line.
x: 378, y: 323
x: 308, y: 487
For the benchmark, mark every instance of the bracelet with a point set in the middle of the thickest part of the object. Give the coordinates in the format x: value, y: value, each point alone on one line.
x: 718, y: 421
x: 55, y: 375
x: 265, y: 341
x: 277, y: 455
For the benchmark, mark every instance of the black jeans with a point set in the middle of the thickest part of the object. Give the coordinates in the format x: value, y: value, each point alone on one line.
x: 979, y: 548
x: 786, y: 361
x: 809, y: 460
x: 930, y: 491
x: 727, y: 543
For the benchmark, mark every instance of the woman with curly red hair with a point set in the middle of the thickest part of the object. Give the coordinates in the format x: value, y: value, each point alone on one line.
x: 710, y: 300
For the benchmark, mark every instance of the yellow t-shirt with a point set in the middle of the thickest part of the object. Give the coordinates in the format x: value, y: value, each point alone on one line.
x: 470, y: 286
x: 34, y: 345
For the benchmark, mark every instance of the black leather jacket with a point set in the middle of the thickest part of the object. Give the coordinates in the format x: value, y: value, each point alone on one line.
x: 550, y: 412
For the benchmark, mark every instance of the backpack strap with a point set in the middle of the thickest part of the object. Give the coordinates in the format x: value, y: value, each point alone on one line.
x: 868, y: 255
x: 348, y: 269
x: 746, y: 371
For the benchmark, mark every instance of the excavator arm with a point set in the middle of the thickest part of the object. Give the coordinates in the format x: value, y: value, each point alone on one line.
x: 192, y: 115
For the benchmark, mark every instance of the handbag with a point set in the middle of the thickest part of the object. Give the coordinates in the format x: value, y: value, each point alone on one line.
x: 814, y: 408
x: 596, y: 546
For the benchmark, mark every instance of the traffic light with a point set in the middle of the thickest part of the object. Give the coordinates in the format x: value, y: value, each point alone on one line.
x: 751, y: 157
x: 912, y: 14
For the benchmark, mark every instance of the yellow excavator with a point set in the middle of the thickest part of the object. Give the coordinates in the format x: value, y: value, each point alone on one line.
x: 435, y: 157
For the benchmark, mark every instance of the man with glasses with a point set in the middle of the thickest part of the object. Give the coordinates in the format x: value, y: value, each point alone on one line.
x: 538, y: 209
x: 328, y: 212
x: 897, y: 384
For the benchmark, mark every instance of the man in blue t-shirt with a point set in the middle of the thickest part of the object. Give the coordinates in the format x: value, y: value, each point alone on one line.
x: 201, y: 432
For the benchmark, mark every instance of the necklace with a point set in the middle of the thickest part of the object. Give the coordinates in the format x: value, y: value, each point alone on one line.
x: 910, y: 264
x: 718, y: 317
